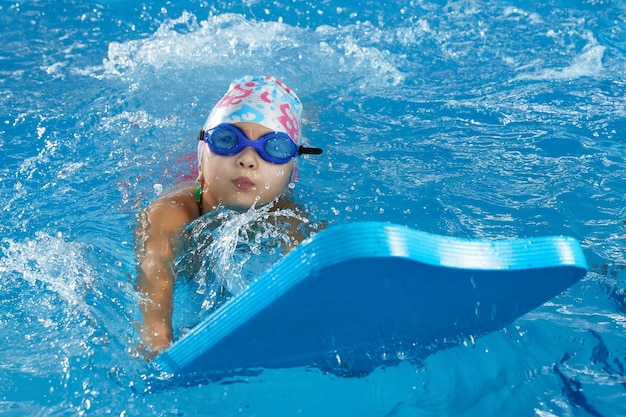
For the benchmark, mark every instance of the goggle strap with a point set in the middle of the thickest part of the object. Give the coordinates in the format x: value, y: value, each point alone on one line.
x: 303, y: 150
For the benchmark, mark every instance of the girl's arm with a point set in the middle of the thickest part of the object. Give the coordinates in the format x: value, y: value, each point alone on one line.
x: 157, y: 235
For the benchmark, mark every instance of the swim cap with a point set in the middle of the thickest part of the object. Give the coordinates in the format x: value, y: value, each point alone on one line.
x: 259, y: 99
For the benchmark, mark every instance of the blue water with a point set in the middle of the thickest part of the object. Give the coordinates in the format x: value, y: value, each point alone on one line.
x: 470, y: 118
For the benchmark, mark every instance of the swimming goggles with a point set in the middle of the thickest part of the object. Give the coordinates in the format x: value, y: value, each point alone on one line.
x: 275, y: 147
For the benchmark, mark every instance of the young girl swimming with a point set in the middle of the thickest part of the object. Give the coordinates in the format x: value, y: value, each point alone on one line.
x: 246, y: 157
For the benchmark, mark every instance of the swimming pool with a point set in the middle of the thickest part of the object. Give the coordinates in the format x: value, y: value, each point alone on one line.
x: 464, y: 118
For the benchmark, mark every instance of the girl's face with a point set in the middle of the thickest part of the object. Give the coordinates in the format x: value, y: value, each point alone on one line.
x: 243, y: 179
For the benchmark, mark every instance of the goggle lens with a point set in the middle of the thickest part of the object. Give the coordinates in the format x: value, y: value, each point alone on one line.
x: 223, y: 139
x: 280, y: 148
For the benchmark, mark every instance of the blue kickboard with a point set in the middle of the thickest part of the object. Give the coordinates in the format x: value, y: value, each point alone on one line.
x: 359, y: 288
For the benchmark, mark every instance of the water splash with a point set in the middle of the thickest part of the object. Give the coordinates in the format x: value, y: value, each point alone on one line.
x: 587, y: 64
x: 236, y: 43
x: 48, y: 284
x: 65, y: 329
x: 225, y: 250
x: 51, y: 263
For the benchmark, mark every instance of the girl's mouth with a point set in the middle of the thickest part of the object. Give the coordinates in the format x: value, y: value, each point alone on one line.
x: 243, y: 183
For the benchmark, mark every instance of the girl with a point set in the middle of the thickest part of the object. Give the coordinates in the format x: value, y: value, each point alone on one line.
x: 246, y: 157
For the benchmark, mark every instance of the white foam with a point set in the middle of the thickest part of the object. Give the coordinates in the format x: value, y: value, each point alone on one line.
x: 126, y: 121
x: 587, y: 64
x: 226, y: 45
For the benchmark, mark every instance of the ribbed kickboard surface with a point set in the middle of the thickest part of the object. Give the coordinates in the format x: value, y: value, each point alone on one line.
x: 362, y: 287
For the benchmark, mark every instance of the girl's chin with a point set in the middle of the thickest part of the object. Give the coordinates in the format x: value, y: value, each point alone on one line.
x: 242, y: 201
x: 245, y: 205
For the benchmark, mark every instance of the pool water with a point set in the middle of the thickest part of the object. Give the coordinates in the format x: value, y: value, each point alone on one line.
x: 469, y: 118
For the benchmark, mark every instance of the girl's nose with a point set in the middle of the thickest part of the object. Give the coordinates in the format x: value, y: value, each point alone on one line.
x: 248, y: 158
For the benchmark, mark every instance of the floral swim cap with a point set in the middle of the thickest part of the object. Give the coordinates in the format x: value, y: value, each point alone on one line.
x: 259, y: 99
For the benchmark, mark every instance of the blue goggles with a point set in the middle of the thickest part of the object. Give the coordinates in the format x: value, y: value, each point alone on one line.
x: 275, y: 147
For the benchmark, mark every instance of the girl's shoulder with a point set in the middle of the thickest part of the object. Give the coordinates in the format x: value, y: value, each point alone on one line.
x: 177, y: 208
